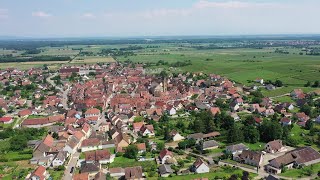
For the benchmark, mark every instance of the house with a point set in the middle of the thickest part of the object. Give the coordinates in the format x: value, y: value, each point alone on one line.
x: 249, y: 157
x: 59, y: 159
x: 196, y: 136
x: 268, y: 112
x: 259, y: 80
x: 24, y: 113
x: 82, y: 176
x: 175, y: 136
x: 90, y: 144
x: 302, y: 117
x: 137, y: 126
x: 215, y: 110
x: 101, y: 156
x: 274, y: 146
x: 72, y: 145
x: 165, y: 170
x: 212, y: 144
x: 270, y: 87
x: 234, y: 106
x: 133, y: 173
x: 200, y: 166
x: 91, y: 168
x: 236, y: 149
x: 39, y: 174
x: 300, y: 157
x: 92, y: 112
x: 122, y: 140
x: 147, y: 130
x: 171, y: 110
x: 6, y: 120
x: 141, y: 147
x: 297, y: 94
x: 116, y: 172
x: 165, y: 155
x: 285, y: 121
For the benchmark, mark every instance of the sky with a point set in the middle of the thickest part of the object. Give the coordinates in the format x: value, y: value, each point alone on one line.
x: 103, y: 18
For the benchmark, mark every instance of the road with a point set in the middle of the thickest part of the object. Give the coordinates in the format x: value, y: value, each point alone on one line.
x: 64, y: 93
x: 72, y: 163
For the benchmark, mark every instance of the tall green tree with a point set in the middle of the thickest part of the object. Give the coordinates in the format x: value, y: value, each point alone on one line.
x: 251, y: 134
x: 235, y: 134
x: 270, y: 130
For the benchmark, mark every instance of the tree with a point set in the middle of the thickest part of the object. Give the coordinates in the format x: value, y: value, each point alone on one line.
x: 309, y: 125
x: 316, y: 84
x: 18, y: 143
x: 278, y: 83
x: 306, y: 109
x: 235, y: 134
x: 163, y: 74
x: 131, y: 152
x: 160, y: 146
x: 251, y: 134
x: 181, y: 163
x: 166, y: 134
x: 270, y: 130
x: 307, y: 84
x: 257, y: 100
x: 55, y: 135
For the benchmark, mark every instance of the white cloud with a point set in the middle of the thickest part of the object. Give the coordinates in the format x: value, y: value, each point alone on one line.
x: 41, y: 14
x: 229, y: 4
x: 166, y: 13
x: 4, y: 13
x: 89, y: 15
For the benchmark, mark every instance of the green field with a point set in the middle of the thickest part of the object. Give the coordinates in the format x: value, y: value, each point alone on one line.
x: 240, y: 65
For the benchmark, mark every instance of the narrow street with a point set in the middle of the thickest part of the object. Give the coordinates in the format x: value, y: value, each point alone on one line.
x: 72, y: 163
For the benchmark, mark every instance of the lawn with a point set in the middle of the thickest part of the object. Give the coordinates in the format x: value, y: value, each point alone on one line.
x: 303, y: 172
x: 15, y: 156
x: 240, y: 65
x: 125, y: 162
x: 297, y: 134
x: 283, y: 99
x: 256, y: 146
x: 220, y: 173
x: 56, y: 175
x: 15, y: 170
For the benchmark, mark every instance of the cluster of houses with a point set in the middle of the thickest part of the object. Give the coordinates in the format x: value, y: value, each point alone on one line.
x: 102, y: 112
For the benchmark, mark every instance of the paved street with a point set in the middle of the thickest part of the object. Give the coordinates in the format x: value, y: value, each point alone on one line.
x: 72, y: 163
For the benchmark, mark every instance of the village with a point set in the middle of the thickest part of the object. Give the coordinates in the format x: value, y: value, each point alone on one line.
x: 115, y: 121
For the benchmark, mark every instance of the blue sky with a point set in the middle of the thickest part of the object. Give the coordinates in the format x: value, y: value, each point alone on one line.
x: 76, y: 18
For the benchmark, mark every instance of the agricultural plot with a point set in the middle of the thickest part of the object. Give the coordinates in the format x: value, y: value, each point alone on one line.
x: 240, y: 65
x: 92, y: 60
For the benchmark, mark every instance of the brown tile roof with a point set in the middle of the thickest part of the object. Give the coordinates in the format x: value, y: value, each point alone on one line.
x: 165, y: 152
x: 275, y: 145
x: 141, y: 146
x: 198, y: 162
x: 40, y: 172
x: 82, y: 176
x: 133, y: 172
x: 92, y: 111
x: 90, y: 142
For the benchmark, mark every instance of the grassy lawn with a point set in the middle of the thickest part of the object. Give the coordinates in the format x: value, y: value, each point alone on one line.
x: 303, y: 172
x: 15, y: 156
x: 125, y: 162
x: 256, y: 146
x: 297, y: 134
x: 239, y: 164
x: 220, y: 173
x: 56, y: 175
x: 283, y: 99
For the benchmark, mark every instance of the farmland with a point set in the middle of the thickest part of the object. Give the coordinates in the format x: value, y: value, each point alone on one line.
x: 240, y: 64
